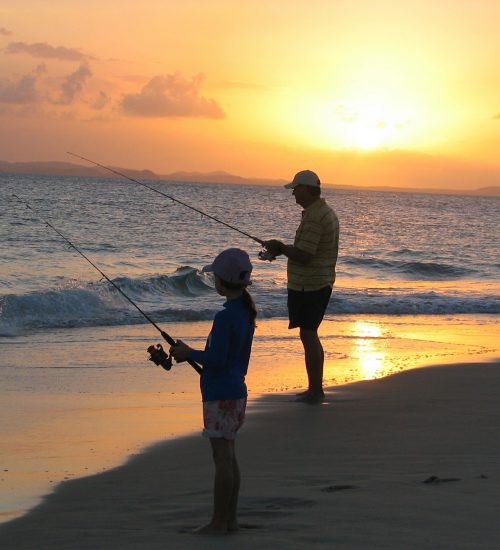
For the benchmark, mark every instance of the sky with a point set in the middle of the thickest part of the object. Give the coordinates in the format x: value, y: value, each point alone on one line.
x: 364, y: 92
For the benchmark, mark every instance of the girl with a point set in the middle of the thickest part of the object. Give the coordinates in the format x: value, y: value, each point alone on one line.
x: 223, y: 389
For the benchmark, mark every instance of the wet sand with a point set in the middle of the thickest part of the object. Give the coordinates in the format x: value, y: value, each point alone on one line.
x: 82, y: 401
x: 407, y: 461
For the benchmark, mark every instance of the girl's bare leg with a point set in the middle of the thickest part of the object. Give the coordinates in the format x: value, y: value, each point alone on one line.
x: 226, y: 487
x: 232, y: 521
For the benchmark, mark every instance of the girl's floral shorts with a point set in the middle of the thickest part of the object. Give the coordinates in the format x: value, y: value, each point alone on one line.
x: 223, y: 418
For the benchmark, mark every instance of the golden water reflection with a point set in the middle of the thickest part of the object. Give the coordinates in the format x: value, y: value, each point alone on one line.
x: 367, y: 348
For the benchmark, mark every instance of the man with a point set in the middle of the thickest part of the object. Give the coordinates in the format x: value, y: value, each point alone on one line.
x: 311, y: 274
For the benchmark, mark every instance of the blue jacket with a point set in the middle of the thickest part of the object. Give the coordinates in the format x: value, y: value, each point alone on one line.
x: 227, y: 353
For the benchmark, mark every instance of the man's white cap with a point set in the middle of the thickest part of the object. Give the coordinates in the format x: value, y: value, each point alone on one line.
x: 305, y: 177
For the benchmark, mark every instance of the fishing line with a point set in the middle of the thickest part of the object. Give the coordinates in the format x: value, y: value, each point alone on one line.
x: 263, y: 255
x: 155, y: 352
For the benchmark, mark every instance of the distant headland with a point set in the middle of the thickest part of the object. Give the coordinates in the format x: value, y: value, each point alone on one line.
x: 70, y: 169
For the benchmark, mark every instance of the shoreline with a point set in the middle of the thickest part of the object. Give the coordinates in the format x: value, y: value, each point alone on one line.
x: 351, y: 472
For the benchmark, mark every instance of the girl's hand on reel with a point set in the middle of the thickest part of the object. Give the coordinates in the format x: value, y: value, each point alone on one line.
x: 180, y: 352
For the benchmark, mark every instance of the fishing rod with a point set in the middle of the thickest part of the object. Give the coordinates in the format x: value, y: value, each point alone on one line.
x: 263, y: 254
x: 158, y: 355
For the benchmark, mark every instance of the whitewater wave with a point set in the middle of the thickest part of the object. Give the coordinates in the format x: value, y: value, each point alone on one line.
x: 186, y: 281
x: 75, y: 304
x: 410, y: 269
x: 174, y: 298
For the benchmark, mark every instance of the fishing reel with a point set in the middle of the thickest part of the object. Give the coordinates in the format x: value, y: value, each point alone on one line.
x: 159, y: 356
x: 266, y: 256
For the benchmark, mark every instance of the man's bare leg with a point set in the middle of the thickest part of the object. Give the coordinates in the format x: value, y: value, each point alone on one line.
x: 314, y: 359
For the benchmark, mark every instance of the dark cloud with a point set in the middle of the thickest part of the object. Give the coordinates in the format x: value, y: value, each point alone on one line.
x: 5, y: 32
x: 101, y: 101
x: 73, y: 84
x: 46, y: 51
x: 22, y: 91
x: 171, y: 96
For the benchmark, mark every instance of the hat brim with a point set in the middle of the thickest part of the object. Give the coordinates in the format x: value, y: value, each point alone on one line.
x: 210, y: 269
x: 295, y: 184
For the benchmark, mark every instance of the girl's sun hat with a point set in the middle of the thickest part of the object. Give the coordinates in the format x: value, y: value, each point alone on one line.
x: 232, y: 266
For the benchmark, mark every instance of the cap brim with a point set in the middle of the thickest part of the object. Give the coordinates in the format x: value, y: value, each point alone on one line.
x: 291, y: 185
x: 208, y: 268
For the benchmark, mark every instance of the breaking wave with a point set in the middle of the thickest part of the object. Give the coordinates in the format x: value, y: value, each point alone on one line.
x: 174, y: 298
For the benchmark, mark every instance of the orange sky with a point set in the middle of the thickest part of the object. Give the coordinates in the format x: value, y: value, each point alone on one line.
x: 365, y: 92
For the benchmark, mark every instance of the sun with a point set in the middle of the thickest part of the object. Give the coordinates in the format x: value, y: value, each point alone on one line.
x: 367, y: 135
x: 368, y: 123
x: 365, y: 123
x: 379, y: 117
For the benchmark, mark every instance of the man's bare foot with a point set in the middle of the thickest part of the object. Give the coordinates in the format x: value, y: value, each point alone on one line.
x: 311, y: 398
x: 308, y: 393
x: 232, y: 526
x: 211, y: 529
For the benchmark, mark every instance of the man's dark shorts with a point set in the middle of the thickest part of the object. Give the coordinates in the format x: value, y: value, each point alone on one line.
x: 306, y: 308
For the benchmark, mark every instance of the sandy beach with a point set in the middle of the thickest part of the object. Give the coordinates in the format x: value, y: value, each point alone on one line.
x: 407, y: 461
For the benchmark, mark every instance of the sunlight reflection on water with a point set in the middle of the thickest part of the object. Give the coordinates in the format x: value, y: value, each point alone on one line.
x: 366, y: 350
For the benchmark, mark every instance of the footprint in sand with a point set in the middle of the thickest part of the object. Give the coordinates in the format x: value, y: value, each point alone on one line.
x: 435, y: 480
x: 275, y: 505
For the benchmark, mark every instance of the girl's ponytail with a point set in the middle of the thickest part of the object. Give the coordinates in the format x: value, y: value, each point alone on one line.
x: 250, y: 304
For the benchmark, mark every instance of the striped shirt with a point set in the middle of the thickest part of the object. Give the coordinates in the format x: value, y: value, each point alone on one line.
x: 318, y: 234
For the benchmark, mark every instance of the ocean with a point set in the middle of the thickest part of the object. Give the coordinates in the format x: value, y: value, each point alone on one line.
x: 400, y: 253
x: 417, y: 284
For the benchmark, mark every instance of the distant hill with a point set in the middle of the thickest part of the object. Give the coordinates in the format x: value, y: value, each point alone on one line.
x: 70, y: 169
x: 483, y: 191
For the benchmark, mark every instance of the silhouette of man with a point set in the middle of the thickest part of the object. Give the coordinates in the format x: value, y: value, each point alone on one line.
x: 310, y: 273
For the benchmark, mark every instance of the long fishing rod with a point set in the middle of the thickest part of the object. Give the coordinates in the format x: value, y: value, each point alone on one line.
x: 263, y: 255
x: 157, y: 353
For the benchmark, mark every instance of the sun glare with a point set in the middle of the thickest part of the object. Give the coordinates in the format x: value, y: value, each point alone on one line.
x: 364, y: 123
x: 369, y: 123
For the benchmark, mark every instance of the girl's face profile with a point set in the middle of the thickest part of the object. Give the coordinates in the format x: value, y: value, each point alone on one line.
x: 219, y: 287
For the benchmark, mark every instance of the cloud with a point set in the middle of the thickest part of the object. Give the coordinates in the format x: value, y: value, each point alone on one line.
x: 101, y: 101
x: 73, y: 84
x: 24, y: 90
x: 46, y: 51
x: 171, y: 96
x: 5, y: 32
